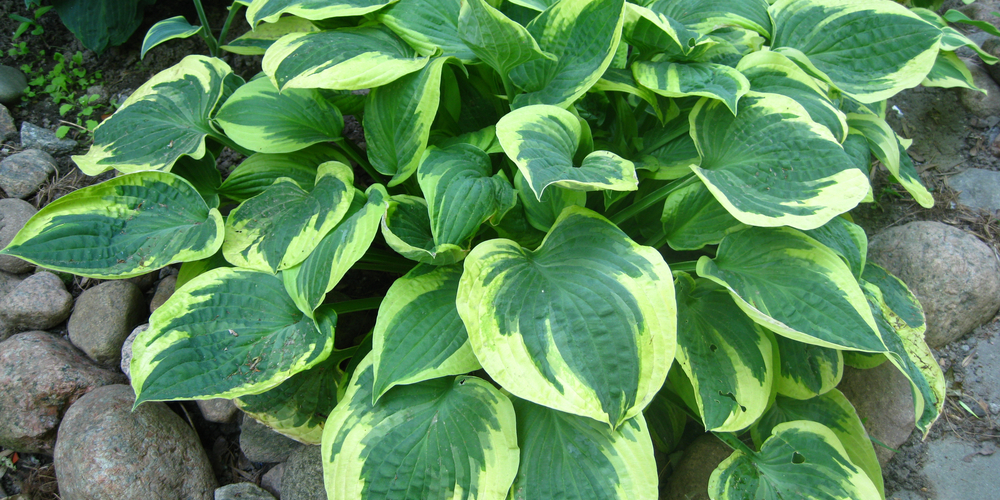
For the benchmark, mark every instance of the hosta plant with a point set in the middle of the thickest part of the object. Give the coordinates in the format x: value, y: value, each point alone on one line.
x: 605, y: 220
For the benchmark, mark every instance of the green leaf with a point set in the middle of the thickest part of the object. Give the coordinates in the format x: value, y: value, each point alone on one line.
x: 772, y: 165
x: 443, y: 439
x: 954, y: 16
x: 484, y: 139
x: 869, y: 50
x: 693, y: 218
x: 906, y: 309
x: 260, y: 170
x: 795, y: 286
x: 343, y: 59
x: 202, y: 174
x: 542, y: 214
x: 834, y: 411
x: 407, y: 229
x: 257, y: 41
x: 653, y: 32
x: 584, y: 324
x: 952, y: 40
x: 666, y: 422
x: 418, y: 334
x: 278, y: 228
x: 112, y: 23
x: 398, y: 119
x: 807, y: 370
x: 120, y: 228
x: 621, y: 80
x: 536, y: 5
x: 847, y: 239
x: 542, y: 141
x: 429, y: 26
x: 167, y: 29
x: 711, y: 80
x: 270, y: 11
x: 950, y: 72
x: 261, y: 119
x: 801, y: 459
x: 724, y: 354
x: 583, y: 36
x: 576, y: 458
x: 309, y: 282
x: 669, y: 150
x: 496, y: 39
x: 227, y: 333
x: 194, y: 268
x: 173, y: 110
x: 886, y: 146
x: 708, y: 16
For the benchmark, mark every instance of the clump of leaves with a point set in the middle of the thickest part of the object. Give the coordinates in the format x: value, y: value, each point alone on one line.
x: 26, y: 23
x: 65, y: 84
x: 627, y: 215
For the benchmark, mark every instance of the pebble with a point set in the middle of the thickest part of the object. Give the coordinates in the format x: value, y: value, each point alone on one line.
x: 33, y: 136
x: 41, y: 375
x: 262, y: 444
x: 163, y: 292
x: 884, y: 402
x: 302, y: 478
x: 220, y: 411
x: 995, y: 408
x: 242, y: 491
x: 107, y: 451
x: 23, y: 173
x: 8, y: 131
x: 103, y: 318
x: 12, y: 84
x: 127, y: 349
x: 978, y: 188
x: 14, y: 214
x: 39, y: 302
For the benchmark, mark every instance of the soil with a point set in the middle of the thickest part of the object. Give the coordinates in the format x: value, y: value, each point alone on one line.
x: 947, y: 140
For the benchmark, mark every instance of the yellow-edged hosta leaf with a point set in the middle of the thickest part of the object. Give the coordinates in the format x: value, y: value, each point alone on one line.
x: 257, y: 41
x: 693, y: 218
x: 270, y: 11
x: 806, y: 370
x: 407, y: 229
x: 708, y: 16
x: 429, y: 26
x: 672, y: 79
x: 949, y: 72
x: 495, y: 38
x: 890, y: 149
x: 260, y: 170
x: 847, y: 239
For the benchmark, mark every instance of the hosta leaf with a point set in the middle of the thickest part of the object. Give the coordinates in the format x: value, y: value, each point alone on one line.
x: 194, y: 268
x: 847, y: 239
x: 537, y: 5
x: 621, y: 80
x: 407, y: 229
x: 652, y: 32
x: 428, y: 26
x: 495, y: 38
x: 541, y: 214
x: 460, y: 192
x: 278, y: 228
x: 542, y: 141
x: 801, y: 459
x: 711, y: 80
x: 771, y: 165
x: 443, y: 439
x: 167, y: 29
x: 708, y: 16
x: 257, y: 41
x: 261, y: 119
x: 807, y: 370
x: 120, y: 228
x: 794, y: 286
x: 693, y: 218
x: 172, y: 109
x: 418, y: 333
x: 952, y: 40
x: 577, y: 458
x: 584, y: 324
x: 887, y: 147
x: 774, y: 73
x: 669, y: 150
x: 260, y: 170
x: 949, y: 72
x: 227, y: 333
x: 202, y: 174
x: 724, y: 354
x: 309, y: 282
x: 666, y: 422
x: 398, y: 119
x: 898, y: 298
x: 583, y: 36
x: 344, y: 59
x: 955, y: 16
x: 834, y: 411
x: 270, y: 11
x: 298, y: 407
x: 484, y: 139
x: 869, y: 50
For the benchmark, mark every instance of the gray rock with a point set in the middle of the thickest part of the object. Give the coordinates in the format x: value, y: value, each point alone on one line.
x: 12, y: 84
x: 7, y: 283
x: 690, y: 479
x: 959, y: 470
x: 242, y: 491
x: 992, y: 46
x: 14, y: 213
x: 977, y: 188
x: 163, y: 292
x: 955, y: 276
x: 103, y: 318
x: 8, y: 131
x: 127, y: 349
x: 271, y: 480
x: 220, y: 411
x: 23, y: 173
x: 41, y: 375
x: 302, y: 478
x: 986, y: 361
x: 39, y: 302
x: 978, y: 103
x: 145, y: 281
x: 107, y: 451
x: 33, y: 136
x: 884, y: 402
x: 260, y: 443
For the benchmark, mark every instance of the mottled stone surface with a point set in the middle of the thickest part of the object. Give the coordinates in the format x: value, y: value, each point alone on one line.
x: 14, y: 213
x: 39, y: 302
x: 260, y: 443
x: 23, y: 173
x: 103, y: 318
x: 884, y: 402
x: 302, y: 478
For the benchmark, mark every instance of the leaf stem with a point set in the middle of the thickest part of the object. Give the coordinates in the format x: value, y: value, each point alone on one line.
x: 206, y: 30
x: 349, y: 306
x: 734, y: 442
x: 233, y: 10
x: 650, y: 199
x: 689, y: 266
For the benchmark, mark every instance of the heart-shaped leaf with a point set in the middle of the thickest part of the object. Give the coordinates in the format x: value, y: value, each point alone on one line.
x: 407, y: 229
x: 429, y: 26
x: 708, y: 16
x: 270, y: 11
x: 693, y: 218
x: 259, y: 171
x: 712, y: 80
x: 495, y: 38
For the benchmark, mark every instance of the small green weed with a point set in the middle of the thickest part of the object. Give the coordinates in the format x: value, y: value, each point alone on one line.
x: 26, y: 23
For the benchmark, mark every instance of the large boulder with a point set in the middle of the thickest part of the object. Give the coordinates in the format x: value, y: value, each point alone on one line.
x: 107, y: 451
x: 41, y: 375
x: 955, y: 276
x: 103, y: 318
x: 690, y: 479
x: 37, y: 303
x: 884, y: 402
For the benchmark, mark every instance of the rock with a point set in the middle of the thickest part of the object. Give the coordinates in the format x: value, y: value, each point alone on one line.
x: 992, y: 46
x: 145, y: 281
x: 107, y: 451
x: 8, y: 131
x: 978, y: 188
x: 39, y: 302
x: 220, y: 411
x: 23, y: 173
x: 127, y: 349
x: 271, y: 481
x: 302, y: 478
x: 690, y: 479
x: 959, y: 470
x: 955, y: 276
x: 242, y: 491
x: 884, y: 402
x: 7, y: 283
x: 982, y: 105
x: 14, y: 213
x: 163, y: 292
x: 260, y: 443
x: 33, y: 136
x: 41, y: 375
x: 103, y: 318
x: 12, y: 84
